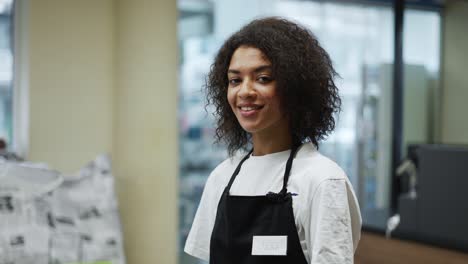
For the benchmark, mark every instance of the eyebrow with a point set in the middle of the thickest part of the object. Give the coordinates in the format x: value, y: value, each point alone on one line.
x: 256, y: 70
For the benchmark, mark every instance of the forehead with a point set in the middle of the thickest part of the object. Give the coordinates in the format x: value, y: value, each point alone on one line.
x: 246, y: 57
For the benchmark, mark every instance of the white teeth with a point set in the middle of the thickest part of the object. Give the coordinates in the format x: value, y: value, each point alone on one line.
x: 249, y: 108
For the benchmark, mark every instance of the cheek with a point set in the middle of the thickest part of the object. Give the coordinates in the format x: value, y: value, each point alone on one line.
x: 273, y: 99
x: 269, y: 93
x: 231, y: 97
x: 275, y: 104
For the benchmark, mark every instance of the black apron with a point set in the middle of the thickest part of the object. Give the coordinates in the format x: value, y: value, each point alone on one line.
x: 267, y: 218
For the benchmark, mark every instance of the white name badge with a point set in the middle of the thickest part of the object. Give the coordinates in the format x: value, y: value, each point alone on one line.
x: 269, y: 245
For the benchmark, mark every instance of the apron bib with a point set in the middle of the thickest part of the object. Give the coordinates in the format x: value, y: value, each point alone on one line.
x: 256, y: 229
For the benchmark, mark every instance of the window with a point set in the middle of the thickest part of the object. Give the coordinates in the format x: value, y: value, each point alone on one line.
x: 6, y: 70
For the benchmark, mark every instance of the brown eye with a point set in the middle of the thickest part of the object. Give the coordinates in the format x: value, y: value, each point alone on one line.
x: 264, y: 79
x: 234, y: 81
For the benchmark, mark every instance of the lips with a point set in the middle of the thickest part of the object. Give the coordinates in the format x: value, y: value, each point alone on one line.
x: 249, y: 110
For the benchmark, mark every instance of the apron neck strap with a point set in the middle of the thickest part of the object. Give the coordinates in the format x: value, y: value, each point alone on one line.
x: 287, y: 171
x: 234, y: 175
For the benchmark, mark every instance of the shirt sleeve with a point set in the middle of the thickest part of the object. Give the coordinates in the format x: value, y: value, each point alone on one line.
x: 334, y: 223
x: 198, y: 240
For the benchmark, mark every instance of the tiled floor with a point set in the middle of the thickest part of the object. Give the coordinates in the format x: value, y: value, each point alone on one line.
x: 375, y: 249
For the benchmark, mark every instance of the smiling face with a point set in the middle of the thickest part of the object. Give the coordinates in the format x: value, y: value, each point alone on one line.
x: 252, y: 93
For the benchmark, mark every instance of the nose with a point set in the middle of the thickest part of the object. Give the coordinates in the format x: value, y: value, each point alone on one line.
x: 246, y: 90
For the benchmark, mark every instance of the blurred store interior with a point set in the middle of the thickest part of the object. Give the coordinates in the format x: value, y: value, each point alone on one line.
x: 124, y: 77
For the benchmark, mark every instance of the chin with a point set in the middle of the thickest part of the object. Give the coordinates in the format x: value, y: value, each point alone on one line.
x: 250, y: 128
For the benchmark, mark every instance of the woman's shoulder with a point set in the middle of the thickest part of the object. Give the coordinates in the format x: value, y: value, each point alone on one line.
x: 223, y: 171
x: 315, y: 167
x: 315, y: 171
x: 228, y: 164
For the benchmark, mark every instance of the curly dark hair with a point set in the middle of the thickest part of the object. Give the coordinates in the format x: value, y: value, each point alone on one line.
x: 304, y: 74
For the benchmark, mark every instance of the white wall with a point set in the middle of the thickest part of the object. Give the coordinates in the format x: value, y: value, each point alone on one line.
x: 70, y: 81
x: 454, y: 69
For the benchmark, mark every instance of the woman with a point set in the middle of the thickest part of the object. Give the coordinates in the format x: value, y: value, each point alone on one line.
x: 272, y: 87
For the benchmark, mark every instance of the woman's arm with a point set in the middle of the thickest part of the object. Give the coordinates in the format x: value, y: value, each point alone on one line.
x: 333, y: 227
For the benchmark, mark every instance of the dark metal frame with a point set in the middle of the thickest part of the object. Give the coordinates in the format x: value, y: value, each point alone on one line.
x: 397, y: 115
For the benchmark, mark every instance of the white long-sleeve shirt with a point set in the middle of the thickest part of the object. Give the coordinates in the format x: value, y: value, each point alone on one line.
x: 326, y: 210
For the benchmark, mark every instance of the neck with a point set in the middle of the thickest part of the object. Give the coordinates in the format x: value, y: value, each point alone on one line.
x: 267, y: 143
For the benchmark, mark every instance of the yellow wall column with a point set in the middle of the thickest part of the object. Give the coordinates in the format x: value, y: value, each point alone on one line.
x: 145, y: 140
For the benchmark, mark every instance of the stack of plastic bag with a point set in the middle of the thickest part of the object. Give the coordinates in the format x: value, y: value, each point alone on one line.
x: 72, y: 218
x: 24, y: 212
